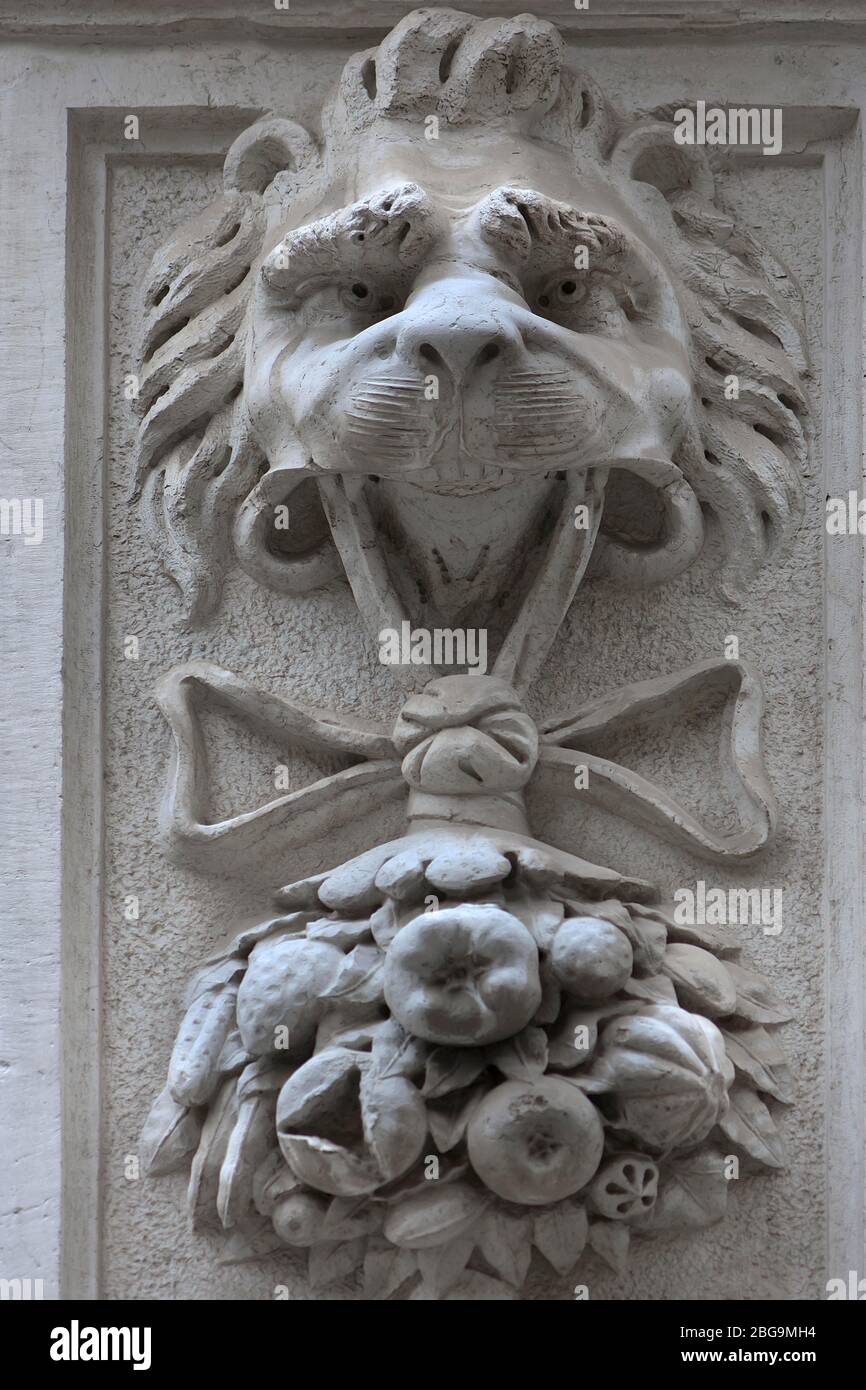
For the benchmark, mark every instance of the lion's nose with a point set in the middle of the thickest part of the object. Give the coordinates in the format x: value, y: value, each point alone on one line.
x: 460, y: 348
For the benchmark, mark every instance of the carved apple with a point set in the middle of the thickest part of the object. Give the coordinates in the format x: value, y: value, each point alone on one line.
x: 463, y: 975
x: 535, y: 1142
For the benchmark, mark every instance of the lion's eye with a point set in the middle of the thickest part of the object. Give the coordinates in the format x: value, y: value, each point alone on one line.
x: 562, y: 294
x: 366, y: 298
x: 580, y: 303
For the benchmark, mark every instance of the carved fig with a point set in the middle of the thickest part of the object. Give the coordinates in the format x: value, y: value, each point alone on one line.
x: 467, y: 974
x: 669, y: 1072
x: 591, y: 958
x: 535, y: 1142
x: 625, y: 1188
x: 283, y: 988
x: 344, y: 1131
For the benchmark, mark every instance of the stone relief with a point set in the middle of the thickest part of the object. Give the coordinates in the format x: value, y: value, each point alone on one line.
x: 469, y: 338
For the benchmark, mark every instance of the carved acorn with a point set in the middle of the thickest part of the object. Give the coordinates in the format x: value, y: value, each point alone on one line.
x: 668, y: 1073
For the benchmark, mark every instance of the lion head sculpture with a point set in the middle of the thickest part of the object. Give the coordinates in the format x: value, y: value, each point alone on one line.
x: 479, y: 281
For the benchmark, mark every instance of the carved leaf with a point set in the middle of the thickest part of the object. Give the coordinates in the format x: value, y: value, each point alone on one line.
x: 710, y: 938
x: 756, y: 999
x: 290, y: 927
x: 251, y: 1138
x: 349, y: 1218
x: 273, y: 1180
x: 397, y: 1053
x: 703, y: 984
x: 252, y: 1242
x: 481, y: 1288
x: 757, y: 1056
x: 204, y: 1174
x: 551, y: 993
x: 435, y: 1216
x: 171, y: 1133
x: 656, y: 989
x: 560, y: 1234
x: 441, y: 1266
x: 395, y: 1122
x: 610, y: 910
x: 450, y: 1069
x: 386, y: 1269
x: 450, y: 1171
x: 749, y: 1123
x: 648, y: 941
x: 449, y: 1119
x: 234, y: 1056
x: 341, y: 1026
x: 384, y: 923
x: 343, y: 932
x: 359, y: 979
x: 564, y: 1052
x: 693, y: 1194
x: 330, y: 1262
x: 524, y: 1057
x: 505, y: 1241
x: 225, y: 971
x: 611, y: 1240
x: 538, y: 913
x: 262, y: 1077
x: 698, y: 935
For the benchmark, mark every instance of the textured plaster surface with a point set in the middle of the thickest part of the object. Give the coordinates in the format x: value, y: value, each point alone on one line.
x: 770, y: 1244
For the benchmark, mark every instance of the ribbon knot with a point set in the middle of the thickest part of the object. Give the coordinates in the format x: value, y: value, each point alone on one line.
x: 461, y: 736
x: 466, y: 734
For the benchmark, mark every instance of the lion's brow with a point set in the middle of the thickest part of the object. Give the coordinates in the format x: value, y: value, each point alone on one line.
x: 528, y: 223
x: 396, y: 225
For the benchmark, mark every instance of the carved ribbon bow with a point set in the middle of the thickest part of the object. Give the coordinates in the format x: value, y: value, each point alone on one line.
x: 387, y: 761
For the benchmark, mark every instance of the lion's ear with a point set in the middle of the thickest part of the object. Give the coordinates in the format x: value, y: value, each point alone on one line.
x: 270, y: 147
